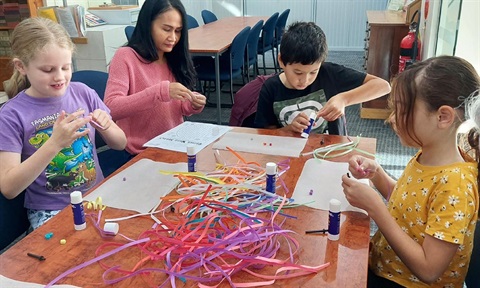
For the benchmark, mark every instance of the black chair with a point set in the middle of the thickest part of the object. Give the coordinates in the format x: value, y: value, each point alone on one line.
x: 265, y: 43
x: 191, y: 22
x: 13, y: 219
x: 129, y: 32
x: 251, y: 58
x: 110, y: 159
x: 208, y: 16
x: 231, y: 62
x: 279, y: 29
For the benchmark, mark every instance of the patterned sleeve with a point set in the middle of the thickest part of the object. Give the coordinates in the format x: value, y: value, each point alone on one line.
x: 452, y: 207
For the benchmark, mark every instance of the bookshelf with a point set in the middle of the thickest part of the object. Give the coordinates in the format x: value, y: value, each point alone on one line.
x: 11, y: 13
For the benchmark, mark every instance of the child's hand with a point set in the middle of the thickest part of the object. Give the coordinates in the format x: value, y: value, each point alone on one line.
x: 100, y: 120
x: 67, y: 128
x: 198, y: 100
x: 334, y: 109
x: 359, y: 194
x: 179, y: 92
x: 362, y: 167
x: 300, y: 123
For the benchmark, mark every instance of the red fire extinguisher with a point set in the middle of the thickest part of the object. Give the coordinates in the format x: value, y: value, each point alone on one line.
x: 409, y: 47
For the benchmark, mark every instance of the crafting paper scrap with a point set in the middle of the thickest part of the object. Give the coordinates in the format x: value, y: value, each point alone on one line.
x: 10, y: 283
x: 320, y: 181
x: 139, y: 187
x: 262, y: 144
x: 198, y: 135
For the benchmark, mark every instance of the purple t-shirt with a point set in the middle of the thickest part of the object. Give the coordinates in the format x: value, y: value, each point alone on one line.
x: 27, y: 123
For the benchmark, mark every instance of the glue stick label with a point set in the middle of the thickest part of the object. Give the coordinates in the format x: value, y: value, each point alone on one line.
x: 78, y: 214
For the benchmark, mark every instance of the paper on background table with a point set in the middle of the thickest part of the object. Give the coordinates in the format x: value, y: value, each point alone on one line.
x: 10, y: 283
x: 142, y: 188
x: 197, y: 134
x: 325, y: 179
x: 254, y: 143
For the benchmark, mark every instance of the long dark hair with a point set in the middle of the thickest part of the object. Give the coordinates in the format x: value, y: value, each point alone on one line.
x: 179, y: 60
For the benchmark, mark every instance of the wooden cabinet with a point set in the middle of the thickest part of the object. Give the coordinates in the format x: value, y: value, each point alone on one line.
x: 16, y: 13
x: 385, y: 30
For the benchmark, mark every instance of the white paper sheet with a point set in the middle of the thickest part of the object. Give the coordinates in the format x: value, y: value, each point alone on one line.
x: 325, y: 179
x: 139, y: 187
x: 263, y: 144
x: 196, y: 134
x: 10, y: 283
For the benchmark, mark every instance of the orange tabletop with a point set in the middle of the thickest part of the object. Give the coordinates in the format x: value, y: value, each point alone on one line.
x: 348, y: 256
x: 214, y: 38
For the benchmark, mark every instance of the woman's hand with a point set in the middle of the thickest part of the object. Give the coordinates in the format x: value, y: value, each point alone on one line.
x: 198, y: 100
x: 179, y: 92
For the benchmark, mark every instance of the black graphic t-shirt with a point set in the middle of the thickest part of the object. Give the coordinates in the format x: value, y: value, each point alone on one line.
x: 279, y: 105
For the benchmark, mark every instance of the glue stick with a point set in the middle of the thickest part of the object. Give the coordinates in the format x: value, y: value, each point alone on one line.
x: 271, y: 171
x: 78, y: 212
x: 306, y: 131
x: 334, y: 219
x: 192, y: 159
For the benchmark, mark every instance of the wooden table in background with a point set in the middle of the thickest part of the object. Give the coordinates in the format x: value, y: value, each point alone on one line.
x: 348, y: 256
x: 213, y: 39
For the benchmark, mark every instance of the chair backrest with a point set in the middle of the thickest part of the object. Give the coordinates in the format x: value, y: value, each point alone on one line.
x: 13, y: 219
x: 280, y: 26
x: 129, y: 32
x: 252, y: 42
x: 97, y: 80
x: 191, y: 22
x: 208, y: 16
x: 237, y: 49
x: 268, y: 30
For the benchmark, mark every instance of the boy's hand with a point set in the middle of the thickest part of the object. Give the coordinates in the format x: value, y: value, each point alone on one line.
x: 300, y: 123
x: 198, y: 100
x: 67, y: 128
x: 334, y: 109
x: 100, y: 120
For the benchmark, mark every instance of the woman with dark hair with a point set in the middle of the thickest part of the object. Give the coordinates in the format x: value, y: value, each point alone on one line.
x: 150, y: 82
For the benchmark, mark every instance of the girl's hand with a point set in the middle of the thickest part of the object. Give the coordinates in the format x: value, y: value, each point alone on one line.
x: 198, y: 100
x: 300, y: 123
x: 333, y: 109
x: 67, y: 128
x: 360, y: 195
x: 100, y: 120
x: 362, y: 167
x: 180, y: 92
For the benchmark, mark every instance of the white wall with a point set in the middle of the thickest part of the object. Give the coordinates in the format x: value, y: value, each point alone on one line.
x: 468, y: 41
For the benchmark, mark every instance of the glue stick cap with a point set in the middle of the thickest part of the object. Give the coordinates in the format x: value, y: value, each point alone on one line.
x: 335, y: 205
x: 190, y: 150
x: 271, y: 168
x: 76, y: 197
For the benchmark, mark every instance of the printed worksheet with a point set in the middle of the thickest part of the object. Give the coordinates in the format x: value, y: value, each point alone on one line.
x: 186, y: 134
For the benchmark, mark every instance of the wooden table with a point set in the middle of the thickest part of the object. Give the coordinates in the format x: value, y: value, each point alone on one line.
x: 348, y: 256
x: 214, y: 38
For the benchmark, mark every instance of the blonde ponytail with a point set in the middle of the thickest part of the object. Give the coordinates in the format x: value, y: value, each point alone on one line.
x: 15, y: 84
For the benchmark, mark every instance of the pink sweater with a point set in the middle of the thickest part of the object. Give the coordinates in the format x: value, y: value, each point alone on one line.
x: 138, y: 97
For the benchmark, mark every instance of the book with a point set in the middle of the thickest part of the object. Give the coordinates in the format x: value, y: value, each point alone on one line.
x: 72, y: 18
x: 93, y: 20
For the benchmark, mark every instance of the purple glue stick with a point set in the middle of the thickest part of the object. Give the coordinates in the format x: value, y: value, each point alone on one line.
x: 306, y: 131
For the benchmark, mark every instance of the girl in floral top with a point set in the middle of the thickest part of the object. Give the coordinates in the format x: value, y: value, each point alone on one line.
x: 425, y: 235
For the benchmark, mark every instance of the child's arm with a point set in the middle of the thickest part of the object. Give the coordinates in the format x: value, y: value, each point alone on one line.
x: 372, y: 88
x: 427, y: 261
x: 110, y: 132
x: 15, y: 175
